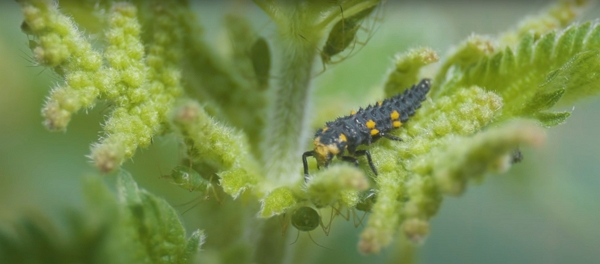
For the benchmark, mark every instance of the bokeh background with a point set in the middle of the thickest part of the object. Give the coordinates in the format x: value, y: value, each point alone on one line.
x: 544, y: 210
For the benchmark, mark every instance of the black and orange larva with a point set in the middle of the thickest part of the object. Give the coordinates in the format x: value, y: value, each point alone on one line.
x: 364, y: 127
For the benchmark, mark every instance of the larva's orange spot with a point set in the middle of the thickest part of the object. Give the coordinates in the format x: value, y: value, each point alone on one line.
x: 395, y: 115
x: 370, y: 124
x: 397, y: 124
x: 374, y: 132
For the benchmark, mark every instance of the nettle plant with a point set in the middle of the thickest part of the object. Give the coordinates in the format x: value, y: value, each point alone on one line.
x: 244, y: 119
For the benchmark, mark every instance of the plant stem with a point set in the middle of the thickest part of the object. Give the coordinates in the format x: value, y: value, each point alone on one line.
x: 286, y: 128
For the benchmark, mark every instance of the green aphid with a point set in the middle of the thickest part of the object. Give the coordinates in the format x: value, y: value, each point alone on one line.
x: 365, y: 204
x: 343, y: 33
x: 367, y: 199
x: 307, y: 219
x: 32, y: 41
x: 189, y: 179
x: 25, y: 28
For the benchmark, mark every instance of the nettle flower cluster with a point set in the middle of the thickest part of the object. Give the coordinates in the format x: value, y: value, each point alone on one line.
x: 247, y: 130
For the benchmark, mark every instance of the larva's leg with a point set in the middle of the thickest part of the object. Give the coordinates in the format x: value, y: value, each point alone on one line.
x: 350, y: 159
x: 391, y: 137
x: 305, y: 163
x: 366, y: 153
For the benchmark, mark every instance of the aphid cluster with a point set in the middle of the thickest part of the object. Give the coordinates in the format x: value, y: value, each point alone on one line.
x: 364, y: 127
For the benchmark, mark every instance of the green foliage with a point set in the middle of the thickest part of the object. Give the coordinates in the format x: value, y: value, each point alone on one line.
x: 463, y: 133
x: 137, y: 227
x: 34, y: 239
x: 151, y: 228
x: 490, y: 96
x: 535, y: 77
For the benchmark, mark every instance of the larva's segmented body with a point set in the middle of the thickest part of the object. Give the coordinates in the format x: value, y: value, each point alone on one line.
x: 364, y: 127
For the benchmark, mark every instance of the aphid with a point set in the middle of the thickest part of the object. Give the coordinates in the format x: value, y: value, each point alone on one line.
x: 364, y: 127
x: 32, y: 43
x: 25, y: 28
x: 189, y: 179
x: 307, y: 219
x: 343, y: 34
x: 366, y: 201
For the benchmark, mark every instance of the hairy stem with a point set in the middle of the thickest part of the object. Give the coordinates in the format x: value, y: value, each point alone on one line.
x: 286, y: 132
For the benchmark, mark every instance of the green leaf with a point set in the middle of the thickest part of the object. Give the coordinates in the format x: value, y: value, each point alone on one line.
x: 565, y: 42
x: 550, y: 119
x: 542, y: 50
x: 194, y: 243
x: 579, y: 76
x: 128, y: 190
x: 155, y: 224
x: 542, y: 101
x: 558, y: 60
x: 525, y: 49
x: 260, y: 55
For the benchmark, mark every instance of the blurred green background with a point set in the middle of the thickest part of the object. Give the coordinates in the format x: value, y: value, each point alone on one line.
x: 545, y: 210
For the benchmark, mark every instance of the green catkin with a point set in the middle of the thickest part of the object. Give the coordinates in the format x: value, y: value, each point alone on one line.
x: 218, y: 146
x: 407, y: 69
x: 461, y: 114
x: 140, y: 110
x: 57, y: 41
x: 327, y: 187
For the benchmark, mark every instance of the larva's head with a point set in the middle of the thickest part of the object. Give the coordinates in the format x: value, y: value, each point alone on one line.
x: 328, y: 143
